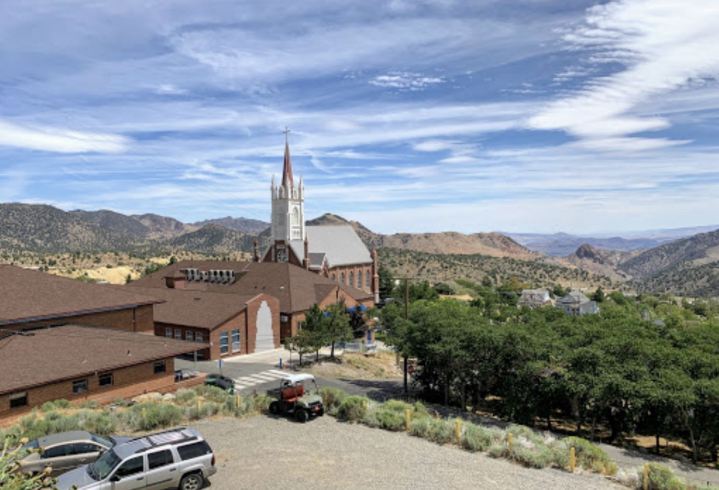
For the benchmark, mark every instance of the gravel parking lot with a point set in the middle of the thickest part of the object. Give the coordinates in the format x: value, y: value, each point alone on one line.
x: 268, y: 453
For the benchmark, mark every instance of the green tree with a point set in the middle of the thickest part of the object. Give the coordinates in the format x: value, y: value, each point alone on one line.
x: 336, y: 326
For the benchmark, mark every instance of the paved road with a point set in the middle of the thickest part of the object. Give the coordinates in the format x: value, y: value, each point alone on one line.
x: 268, y: 453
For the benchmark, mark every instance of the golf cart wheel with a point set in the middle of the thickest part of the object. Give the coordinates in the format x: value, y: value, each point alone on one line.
x: 193, y: 481
x: 301, y: 415
x: 274, y: 408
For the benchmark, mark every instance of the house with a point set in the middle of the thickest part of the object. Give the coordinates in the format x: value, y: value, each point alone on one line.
x: 335, y: 252
x: 575, y: 303
x: 34, y: 299
x: 80, y: 362
x: 295, y: 288
x: 228, y: 324
x: 535, y: 298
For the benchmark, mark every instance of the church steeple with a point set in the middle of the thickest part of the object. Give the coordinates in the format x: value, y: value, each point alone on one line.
x: 287, y: 178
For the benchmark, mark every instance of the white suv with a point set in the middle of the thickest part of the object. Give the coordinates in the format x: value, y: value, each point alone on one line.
x: 178, y: 458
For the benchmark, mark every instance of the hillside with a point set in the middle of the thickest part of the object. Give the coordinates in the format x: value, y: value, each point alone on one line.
x: 162, y: 226
x: 213, y: 240
x: 244, y: 225
x: 449, y: 267
x: 599, y: 261
x: 564, y: 244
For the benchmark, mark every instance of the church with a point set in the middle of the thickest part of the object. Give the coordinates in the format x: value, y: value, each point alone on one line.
x: 333, y: 251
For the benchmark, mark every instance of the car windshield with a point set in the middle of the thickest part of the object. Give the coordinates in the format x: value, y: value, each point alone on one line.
x: 103, y: 466
x: 102, y: 440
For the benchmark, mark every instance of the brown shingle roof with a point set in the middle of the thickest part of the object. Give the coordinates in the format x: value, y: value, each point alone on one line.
x: 29, y: 295
x: 193, y: 308
x: 60, y: 353
x: 296, y: 288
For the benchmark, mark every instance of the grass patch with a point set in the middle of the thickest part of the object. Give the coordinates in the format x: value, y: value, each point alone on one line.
x: 353, y: 409
x: 590, y: 456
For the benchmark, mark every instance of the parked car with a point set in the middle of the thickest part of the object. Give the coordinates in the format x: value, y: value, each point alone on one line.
x: 220, y: 381
x: 66, y: 450
x: 183, y: 374
x: 299, y: 397
x: 178, y: 458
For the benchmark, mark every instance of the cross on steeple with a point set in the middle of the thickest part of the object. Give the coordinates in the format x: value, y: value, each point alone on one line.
x: 286, y: 132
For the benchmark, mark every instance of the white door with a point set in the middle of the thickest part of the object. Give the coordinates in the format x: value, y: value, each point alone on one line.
x: 265, y: 339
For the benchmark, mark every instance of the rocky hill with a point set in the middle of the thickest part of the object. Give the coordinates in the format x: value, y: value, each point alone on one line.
x: 450, y: 267
x: 564, y: 244
x: 244, y: 225
x: 163, y: 226
x: 212, y: 239
x: 599, y: 261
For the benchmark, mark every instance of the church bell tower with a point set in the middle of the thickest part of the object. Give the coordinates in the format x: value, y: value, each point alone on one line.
x: 288, y: 210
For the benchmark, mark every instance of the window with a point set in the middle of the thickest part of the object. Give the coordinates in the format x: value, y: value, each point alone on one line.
x: 178, y: 333
x: 79, y: 386
x: 168, y: 332
x: 158, y: 459
x: 189, y: 335
x: 83, y: 448
x: 368, y: 281
x: 194, y: 450
x: 359, y: 280
x: 199, y: 337
x: 235, y: 340
x: 224, y: 343
x: 130, y: 467
x: 18, y: 399
x: 334, y: 276
x: 56, y: 451
x: 105, y: 379
x: 159, y: 367
x: 342, y: 278
x: 352, y: 279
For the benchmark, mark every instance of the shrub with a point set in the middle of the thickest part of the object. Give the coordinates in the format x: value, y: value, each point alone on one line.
x: 353, y: 408
x: 389, y: 418
x: 537, y: 457
x: 524, y: 432
x: 477, y: 438
x: 212, y: 393
x: 332, y: 398
x: 662, y: 478
x: 13, y: 479
x: 185, y: 396
x: 152, y: 415
x: 202, y: 410
x: 260, y: 403
x: 91, y: 404
x: 436, y: 430
x: 590, y: 456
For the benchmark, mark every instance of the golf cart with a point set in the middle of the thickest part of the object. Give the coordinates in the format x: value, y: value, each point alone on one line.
x: 298, y: 396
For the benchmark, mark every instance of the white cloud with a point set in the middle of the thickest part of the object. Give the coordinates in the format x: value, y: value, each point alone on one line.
x: 170, y: 89
x: 59, y: 140
x: 663, y: 45
x: 405, y: 81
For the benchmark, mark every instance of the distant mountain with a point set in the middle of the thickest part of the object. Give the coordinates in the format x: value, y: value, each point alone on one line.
x: 162, y: 226
x: 600, y: 261
x: 42, y: 228
x: 563, y: 244
x: 686, y: 267
x: 213, y: 239
x: 245, y: 225
x: 450, y: 242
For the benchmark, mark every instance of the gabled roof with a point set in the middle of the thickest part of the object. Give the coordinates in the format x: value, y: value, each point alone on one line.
x: 340, y: 243
x: 193, y: 308
x: 50, y: 355
x: 573, y: 297
x: 296, y: 289
x: 29, y: 295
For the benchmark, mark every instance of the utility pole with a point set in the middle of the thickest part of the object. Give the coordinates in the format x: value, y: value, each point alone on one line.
x: 406, y: 317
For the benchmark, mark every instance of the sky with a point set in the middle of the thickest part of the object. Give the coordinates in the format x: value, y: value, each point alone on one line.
x: 407, y: 115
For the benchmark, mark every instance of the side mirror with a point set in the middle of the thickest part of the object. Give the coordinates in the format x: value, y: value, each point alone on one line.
x: 115, y: 478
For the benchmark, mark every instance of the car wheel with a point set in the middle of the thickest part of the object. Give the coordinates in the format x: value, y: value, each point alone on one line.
x: 193, y: 481
x: 301, y: 415
x: 321, y: 412
x: 274, y: 408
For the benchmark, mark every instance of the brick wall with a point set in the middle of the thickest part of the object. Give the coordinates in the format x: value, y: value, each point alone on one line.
x: 127, y: 382
x: 336, y: 274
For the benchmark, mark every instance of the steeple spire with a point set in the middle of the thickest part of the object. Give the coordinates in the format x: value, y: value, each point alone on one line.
x: 287, y: 178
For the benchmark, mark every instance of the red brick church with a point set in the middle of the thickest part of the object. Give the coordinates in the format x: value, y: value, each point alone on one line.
x: 336, y: 251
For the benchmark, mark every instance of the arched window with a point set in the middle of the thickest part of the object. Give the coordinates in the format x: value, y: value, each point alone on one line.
x: 342, y: 278
x: 368, y: 281
x: 334, y: 276
x: 359, y: 279
x: 295, y: 218
x: 352, y: 279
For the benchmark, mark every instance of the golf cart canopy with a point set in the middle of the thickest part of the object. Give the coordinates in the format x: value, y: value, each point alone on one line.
x: 297, y: 378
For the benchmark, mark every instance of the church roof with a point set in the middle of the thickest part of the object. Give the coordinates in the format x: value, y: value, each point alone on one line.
x: 340, y: 244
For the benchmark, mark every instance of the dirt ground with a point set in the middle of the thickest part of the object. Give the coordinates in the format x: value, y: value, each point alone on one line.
x: 269, y: 453
x: 382, y: 365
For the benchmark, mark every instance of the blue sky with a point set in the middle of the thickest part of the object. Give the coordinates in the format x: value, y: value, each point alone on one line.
x: 531, y: 115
